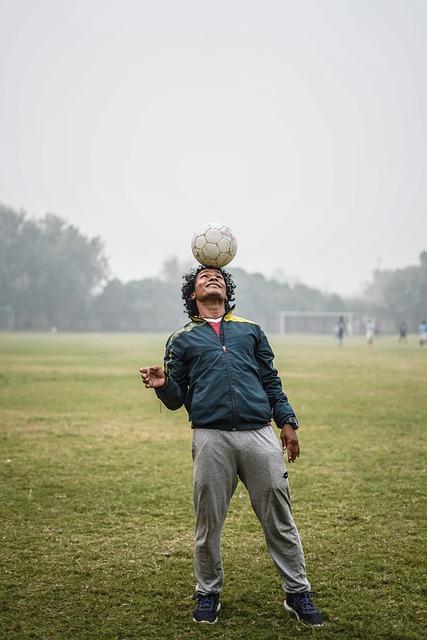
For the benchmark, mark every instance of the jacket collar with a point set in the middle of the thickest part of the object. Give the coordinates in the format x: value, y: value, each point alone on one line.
x: 225, y: 315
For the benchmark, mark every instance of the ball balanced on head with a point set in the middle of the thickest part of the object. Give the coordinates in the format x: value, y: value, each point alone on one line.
x: 214, y: 245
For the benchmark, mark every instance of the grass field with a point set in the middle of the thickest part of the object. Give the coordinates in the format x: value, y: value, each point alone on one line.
x: 96, y: 515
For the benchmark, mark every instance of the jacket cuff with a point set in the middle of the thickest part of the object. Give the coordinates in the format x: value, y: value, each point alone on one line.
x: 163, y: 390
x: 292, y: 420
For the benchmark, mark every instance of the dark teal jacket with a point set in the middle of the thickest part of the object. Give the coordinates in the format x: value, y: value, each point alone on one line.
x: 225, y: 383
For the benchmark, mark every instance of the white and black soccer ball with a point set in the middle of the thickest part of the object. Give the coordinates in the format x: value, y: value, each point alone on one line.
x: 214, y: 245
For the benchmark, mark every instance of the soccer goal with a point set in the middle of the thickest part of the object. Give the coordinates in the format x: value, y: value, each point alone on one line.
x: 317, y: 321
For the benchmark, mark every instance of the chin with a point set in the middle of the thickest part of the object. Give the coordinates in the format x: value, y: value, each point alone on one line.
x: 214, y: 296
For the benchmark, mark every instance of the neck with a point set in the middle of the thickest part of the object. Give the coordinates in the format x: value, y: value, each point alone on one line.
x: 210, y: 309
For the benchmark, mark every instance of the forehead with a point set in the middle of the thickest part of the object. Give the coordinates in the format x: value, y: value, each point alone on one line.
x: 209, y: 273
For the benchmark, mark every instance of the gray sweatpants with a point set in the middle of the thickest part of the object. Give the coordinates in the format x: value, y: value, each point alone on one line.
x: 220, y: 458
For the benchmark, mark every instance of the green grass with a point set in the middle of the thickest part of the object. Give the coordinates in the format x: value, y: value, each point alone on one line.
x: 96, y: 515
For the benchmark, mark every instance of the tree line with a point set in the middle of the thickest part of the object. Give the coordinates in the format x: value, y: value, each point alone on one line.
x: 52, y: 276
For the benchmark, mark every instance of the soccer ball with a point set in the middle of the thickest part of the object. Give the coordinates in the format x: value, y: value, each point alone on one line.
x: 214, y: 245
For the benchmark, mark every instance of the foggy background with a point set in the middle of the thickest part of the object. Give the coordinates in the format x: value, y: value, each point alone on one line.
x: 301, y: 125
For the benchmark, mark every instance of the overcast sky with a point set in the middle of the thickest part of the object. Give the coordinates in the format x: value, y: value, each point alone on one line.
x: 300, y: 124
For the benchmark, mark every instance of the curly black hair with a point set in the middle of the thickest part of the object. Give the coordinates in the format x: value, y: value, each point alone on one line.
x: 189, y: 283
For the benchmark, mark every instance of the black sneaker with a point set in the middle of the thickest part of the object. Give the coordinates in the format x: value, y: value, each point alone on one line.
x: 302, y: 606
x: 207, y: 607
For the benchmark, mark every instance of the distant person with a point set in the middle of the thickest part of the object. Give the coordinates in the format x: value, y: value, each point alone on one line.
x: 221, y: 368
x: 370, y: 332
x: 403, y: 330
x: 340, y: 330
x: 422, y: 330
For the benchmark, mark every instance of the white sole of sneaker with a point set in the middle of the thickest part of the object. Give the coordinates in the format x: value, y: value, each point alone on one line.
x: 288, y: 608
x: 207, y: 621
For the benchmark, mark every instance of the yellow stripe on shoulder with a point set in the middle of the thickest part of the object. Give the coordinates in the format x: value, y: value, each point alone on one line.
x: 232, y: 318
x: 185, y: 329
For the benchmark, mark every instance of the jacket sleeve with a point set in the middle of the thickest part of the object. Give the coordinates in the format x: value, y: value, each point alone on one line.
x: 271, y: 382
x: 174, y: 391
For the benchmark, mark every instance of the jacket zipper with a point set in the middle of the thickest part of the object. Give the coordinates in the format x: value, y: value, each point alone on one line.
x: 224, y: 348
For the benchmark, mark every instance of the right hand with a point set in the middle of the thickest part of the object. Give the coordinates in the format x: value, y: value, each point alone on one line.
x: 152, y: 377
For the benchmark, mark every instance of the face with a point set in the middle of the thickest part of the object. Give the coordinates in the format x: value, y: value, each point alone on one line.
x: 209, y: 285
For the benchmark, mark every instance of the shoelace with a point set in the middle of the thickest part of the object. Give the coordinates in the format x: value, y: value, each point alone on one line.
x: 306, y: 603
x: 206, y: 603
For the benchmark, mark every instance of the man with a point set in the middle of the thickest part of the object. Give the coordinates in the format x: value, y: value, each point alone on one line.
x: 340, y: 330
x: 370, y: 332
x: 220, y: 367
x: 403, y: 330
x: 422, y: 330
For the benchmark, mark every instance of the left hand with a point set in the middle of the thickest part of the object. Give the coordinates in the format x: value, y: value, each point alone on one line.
x: 290, y: 443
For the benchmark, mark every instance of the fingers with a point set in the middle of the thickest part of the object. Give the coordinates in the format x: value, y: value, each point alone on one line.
x: 293, y: 451
x: 152, y: 377
x: 146, y: 376
x: 290, y: 443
